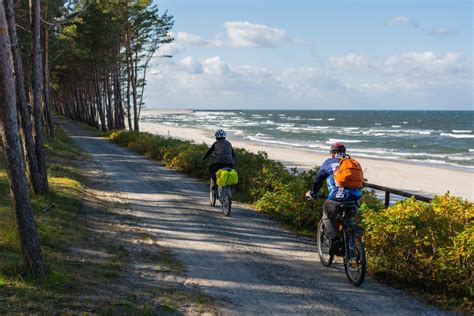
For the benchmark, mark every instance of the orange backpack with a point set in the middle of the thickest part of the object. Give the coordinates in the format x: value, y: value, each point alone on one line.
x: 350, y: 174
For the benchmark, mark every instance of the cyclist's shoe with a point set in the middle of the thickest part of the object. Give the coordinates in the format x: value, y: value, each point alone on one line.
x: 336, y: 248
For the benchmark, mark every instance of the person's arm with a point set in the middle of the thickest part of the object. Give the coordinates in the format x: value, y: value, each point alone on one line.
x: 209, y: 152
x: 233, y: 153
x: 318, y: 182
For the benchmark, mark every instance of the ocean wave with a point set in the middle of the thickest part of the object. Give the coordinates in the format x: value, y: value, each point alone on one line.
x: 275, y: 142
x: 349, y: 141
x: 396, y: 126
x: 315, y: 119
x: 296, y: 118
x: 460, y: 131
x: 331, y: 119
x: 458, y: 135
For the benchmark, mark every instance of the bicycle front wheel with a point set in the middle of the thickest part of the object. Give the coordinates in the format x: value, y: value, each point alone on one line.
x: 226, y: 200
x: 324, y: 244
x: 354, y: 259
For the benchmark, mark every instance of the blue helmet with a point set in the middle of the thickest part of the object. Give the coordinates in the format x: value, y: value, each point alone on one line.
x: 220, y: 133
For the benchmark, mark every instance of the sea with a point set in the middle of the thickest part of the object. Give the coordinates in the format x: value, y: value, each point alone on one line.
x: 442, y: 138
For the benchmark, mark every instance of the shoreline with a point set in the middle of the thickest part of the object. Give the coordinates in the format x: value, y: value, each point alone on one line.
x: 419, y: 178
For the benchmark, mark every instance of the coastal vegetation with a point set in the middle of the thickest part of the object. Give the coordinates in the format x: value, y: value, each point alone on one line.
x: 90, y: 271
x: 426, y: 247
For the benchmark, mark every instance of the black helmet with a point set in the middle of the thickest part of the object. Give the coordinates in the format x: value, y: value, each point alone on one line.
x: 337, y: 148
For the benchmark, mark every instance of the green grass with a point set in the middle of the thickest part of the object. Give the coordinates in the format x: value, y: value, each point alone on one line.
x: 57, y: 216
x: 92, y: 283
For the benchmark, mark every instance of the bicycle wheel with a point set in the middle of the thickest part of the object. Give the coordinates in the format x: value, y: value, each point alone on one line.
x: 354, y: 260
x: 212, y: 195
x: 226, y: 200
x: 323, y: 246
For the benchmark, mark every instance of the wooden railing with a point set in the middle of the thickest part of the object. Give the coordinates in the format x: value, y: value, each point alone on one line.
x: 389, y: 191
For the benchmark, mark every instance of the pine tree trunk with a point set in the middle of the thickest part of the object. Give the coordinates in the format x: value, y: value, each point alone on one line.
x: 46, y: 87
x: 36, y: 76
x: 13, y: 155
x: 22, y: 101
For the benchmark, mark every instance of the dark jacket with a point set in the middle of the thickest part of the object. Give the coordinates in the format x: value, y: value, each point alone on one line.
x: 223, y: 151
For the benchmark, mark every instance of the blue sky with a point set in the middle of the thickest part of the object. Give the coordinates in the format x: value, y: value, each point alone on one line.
x: 305, y: 54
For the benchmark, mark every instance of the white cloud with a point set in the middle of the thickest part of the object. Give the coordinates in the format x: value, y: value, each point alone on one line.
x: 422, y: 77
x: 401, y: 20
x: 439, y: 32
x: 351, y: 61
x: 215, y: 66
x: 169, y: 49
x: 246, y: 34
x: 239, y: 34
x: 186, y: 38
x: 190, y: 66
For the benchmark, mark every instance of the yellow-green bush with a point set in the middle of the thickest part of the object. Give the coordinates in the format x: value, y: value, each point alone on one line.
x: 424, y: 243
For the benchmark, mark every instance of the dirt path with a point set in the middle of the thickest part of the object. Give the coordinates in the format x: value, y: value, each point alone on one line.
x: 247, y: 262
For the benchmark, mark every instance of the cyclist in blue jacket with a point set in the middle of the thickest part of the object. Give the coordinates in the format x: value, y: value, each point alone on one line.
x: 336, y: 196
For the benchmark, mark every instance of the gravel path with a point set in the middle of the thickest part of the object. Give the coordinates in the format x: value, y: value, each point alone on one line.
x: 248, y: 263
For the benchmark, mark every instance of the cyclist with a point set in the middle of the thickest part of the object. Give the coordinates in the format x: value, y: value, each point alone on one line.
x: 224, y: 155
x: 336, y: 196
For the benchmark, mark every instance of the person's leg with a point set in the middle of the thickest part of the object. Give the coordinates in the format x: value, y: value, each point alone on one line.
x: 330, y: 212
x: 213, y: 169
x: 212, y: 172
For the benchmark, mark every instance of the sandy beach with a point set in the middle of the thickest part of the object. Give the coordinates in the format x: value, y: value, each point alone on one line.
x: 413, y: 177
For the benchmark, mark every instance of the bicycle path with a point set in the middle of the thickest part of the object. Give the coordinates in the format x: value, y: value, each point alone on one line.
x: 247, y: 262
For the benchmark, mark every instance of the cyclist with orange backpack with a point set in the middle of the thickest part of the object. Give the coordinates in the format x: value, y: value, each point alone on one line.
x: 344, y: 180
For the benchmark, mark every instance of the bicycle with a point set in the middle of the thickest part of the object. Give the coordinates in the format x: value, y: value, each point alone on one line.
x: 353, y: 249
x: 224, y: 194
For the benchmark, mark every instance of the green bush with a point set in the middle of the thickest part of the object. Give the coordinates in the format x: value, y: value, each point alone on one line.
x: 424, y: 243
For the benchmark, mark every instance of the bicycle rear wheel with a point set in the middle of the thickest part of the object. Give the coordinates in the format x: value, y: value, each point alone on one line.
x: 226, y: 200
x: 212, y: 195
x: 323, y: 245
x: 355, y: 260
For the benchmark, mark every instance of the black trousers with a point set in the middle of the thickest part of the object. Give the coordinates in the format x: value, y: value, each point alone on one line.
x: 216, y: 166
x: 331, y: 210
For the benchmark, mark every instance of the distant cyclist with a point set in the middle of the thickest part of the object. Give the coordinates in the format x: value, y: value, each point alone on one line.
x: 224, y: 155
x: 336, y: 196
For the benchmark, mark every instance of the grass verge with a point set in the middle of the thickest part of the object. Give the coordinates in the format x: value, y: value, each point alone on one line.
x: 90, y: 270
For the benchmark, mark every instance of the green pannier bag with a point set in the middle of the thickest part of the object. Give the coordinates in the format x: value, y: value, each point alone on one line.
x: 225, y: 177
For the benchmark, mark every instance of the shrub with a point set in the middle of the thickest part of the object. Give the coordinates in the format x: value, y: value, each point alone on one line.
x: 424, y: 243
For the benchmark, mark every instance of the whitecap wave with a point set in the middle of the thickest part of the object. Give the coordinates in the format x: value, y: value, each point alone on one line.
x: 460, y: 131
x: 458, y: 135
x: 349, y: 141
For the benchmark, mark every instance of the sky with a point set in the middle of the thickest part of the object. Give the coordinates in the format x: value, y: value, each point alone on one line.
x: 303, y: 54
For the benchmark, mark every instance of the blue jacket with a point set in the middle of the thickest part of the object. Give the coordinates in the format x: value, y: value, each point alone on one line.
x: 336, y: 193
